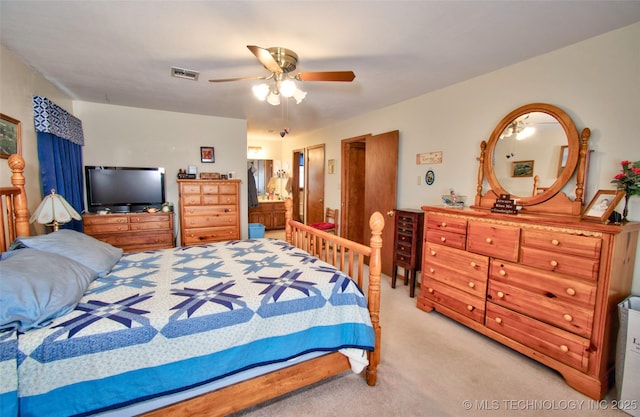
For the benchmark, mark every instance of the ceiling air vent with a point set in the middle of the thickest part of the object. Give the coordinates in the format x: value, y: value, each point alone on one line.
x: 184, y: 73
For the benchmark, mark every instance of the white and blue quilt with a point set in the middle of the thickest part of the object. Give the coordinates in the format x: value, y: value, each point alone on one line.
x: 164, y: 321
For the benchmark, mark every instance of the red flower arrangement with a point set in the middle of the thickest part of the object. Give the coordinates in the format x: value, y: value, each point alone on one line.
x: 629, y: 181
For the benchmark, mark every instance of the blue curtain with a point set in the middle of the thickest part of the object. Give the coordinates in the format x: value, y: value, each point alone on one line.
x: 60, y: 143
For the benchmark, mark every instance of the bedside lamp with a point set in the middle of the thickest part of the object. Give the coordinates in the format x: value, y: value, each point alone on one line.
x: 53, y: 211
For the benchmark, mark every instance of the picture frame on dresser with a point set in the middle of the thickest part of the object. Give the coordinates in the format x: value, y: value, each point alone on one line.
x: 207, y: 154
x: 602, y: 205
x: 10, y: 141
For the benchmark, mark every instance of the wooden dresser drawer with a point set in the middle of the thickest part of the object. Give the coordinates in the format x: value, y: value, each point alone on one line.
x: 450, y: 224
x: 202, y: 210
x: 191, y: 189
x: 462, y: 270
x: 585, y: 246
x: 459, y: 301
x: 556, y: 343
x: 107, y: 227
x: 499, y: 241
x: 212, y: 220
x: 567, y: 316
x: 554, y: 286
x: 560, y: 262
x: 209, y: 234
x: 91, y: 219
x: 150, y: 218
x: 444, y: 237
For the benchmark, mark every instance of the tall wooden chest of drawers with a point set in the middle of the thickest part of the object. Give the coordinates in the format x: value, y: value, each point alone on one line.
x: 133, y: 232
x: 209, y: 211
x: 407, y: 252
x: 546, y: 287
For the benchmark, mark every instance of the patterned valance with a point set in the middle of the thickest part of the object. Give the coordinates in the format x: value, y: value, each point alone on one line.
x: 51, y: 118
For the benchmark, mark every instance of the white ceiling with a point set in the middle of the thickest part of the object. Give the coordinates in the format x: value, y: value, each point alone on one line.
x: 121, y: 52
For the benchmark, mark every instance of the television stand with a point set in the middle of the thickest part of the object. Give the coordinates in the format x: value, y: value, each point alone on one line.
x: 133, y: 232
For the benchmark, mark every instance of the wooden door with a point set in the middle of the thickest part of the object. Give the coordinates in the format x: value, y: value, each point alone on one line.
x: 296, y: 190
x: 381, y: 188
x: 315, y: 184
x: 377, y: 191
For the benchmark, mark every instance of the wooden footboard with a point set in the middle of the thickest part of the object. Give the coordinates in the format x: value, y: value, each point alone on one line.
x: 345, y: 255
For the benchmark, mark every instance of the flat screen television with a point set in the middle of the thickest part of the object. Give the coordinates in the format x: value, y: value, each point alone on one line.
x: 124, y: 189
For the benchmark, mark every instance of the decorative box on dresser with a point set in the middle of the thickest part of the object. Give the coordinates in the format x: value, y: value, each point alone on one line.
x: 209, y: 211
x: 133, y: 232
x: 407, y: 252
x: 531, y: 271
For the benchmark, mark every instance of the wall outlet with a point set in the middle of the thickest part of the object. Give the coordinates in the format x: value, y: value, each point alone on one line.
x: 419, y: 179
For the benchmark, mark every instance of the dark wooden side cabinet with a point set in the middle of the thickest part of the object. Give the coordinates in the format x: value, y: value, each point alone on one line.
x: 407, y: 251
x: 133, y: 232
x: 269, y: 213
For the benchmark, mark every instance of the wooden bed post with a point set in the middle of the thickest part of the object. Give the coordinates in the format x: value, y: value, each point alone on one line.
x: 376, y: 223
x: 16, y: 164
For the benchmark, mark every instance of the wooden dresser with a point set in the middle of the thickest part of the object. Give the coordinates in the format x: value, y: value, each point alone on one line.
x: 407, y: 246
x: 133, y: 232
x: 209, y: 211
x: 546, y: 286
x: 269, y: 213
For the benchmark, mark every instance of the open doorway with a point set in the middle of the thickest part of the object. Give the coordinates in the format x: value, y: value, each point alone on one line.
x: 297, y: 185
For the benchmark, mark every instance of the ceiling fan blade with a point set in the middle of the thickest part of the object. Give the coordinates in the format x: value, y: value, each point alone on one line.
x: 326, y: 76
x: 265, y: 58
x: 224, y: 80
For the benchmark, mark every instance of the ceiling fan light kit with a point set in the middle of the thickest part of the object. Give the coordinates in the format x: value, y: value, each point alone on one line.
x: 281, y: 62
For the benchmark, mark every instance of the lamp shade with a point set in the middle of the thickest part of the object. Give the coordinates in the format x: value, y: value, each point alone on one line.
x: 54, y: 210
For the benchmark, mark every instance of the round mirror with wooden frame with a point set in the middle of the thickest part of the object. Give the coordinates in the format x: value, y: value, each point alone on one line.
x: 531, y: 155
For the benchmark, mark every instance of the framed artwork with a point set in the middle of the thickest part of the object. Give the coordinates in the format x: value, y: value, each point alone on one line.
x: 207, y: 154
x: 602, y: 205
x: 10, y: 141
x: 562, y: 162
x: 429, y: 177
x: 522, y: 168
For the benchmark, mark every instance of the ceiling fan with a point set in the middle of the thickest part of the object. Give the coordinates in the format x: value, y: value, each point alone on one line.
x: 281, y: 62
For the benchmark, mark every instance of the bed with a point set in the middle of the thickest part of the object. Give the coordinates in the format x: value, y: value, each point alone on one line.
x: 200, y: 330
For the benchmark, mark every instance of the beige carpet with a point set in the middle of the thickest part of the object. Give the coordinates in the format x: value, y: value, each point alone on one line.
x: 432, y: 366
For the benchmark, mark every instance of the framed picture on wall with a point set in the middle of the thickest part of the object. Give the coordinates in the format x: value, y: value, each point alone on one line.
x: 522, y: 169
x: 9, y: 136
x: 207, y: 154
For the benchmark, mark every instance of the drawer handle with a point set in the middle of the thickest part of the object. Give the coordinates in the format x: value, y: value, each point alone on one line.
x: 471, y: 284
x: 432, y: 270
x: 571, y: 291
x: 473, y: 264
x: 498, y: 320
x: 470, y: 307
x: 555, y: 242
x: 430, y: 290
x: 500, y: 294
x: 554, y: 263
x: 568, y: 317
x: 444, y: 224
x: 443, y: 239
x: 433, y: 253
x: 502, y: 272
x: 489, y: 240
x: 564, y: 348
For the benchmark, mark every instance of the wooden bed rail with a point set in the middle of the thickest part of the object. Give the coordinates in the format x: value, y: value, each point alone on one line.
x: 14, y: 213
x: 339, y: 251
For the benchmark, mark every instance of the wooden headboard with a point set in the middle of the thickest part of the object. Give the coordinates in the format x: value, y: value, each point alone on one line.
x: 14, y: 213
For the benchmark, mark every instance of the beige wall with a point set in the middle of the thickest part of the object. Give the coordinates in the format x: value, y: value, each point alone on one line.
x: 127, y: 136
x: 18, y: 84
x: 596, y: 82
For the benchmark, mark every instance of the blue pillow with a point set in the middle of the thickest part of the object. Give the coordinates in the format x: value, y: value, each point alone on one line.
x: 87, y: 250
x: 36, y: 287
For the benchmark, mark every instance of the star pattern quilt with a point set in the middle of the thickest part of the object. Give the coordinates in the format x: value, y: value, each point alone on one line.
x: 164, y: 321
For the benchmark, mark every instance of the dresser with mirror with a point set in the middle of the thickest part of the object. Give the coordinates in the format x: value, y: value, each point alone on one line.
x: 537, y: 277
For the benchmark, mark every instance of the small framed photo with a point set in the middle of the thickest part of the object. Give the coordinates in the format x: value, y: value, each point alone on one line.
x: 602, y: 205
x: 207, y: 154
x: 562, y: 162
x: 429, y: 177
x: 522, y: 168
x: 9, y: 136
